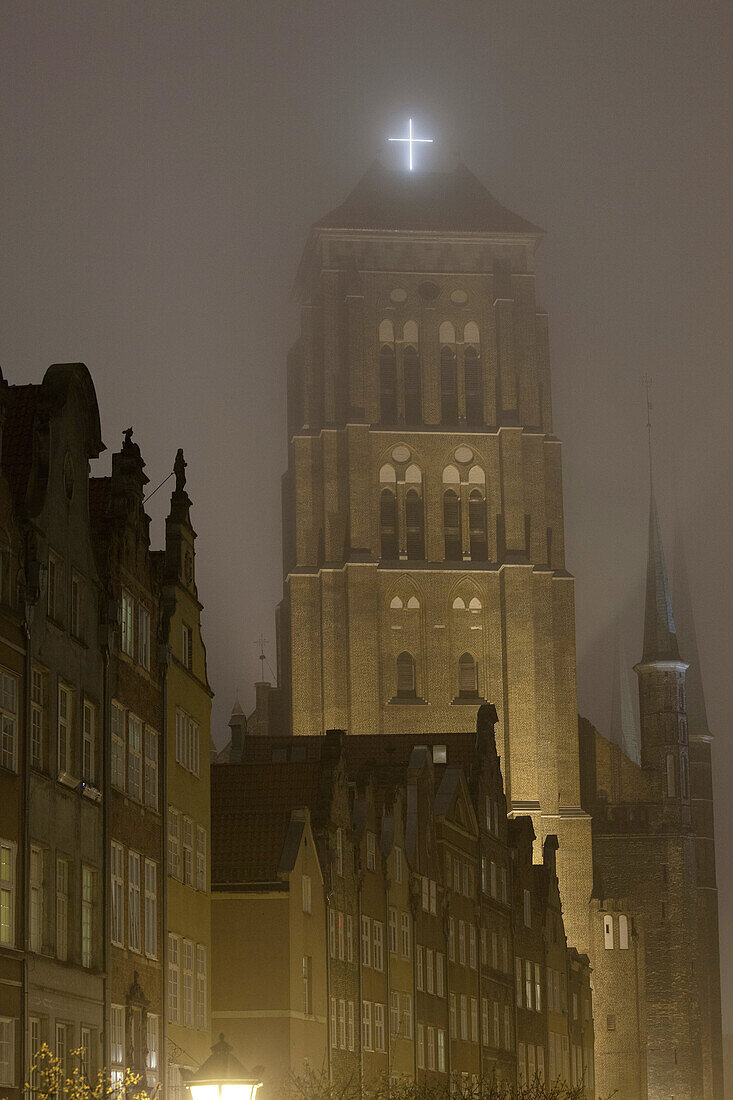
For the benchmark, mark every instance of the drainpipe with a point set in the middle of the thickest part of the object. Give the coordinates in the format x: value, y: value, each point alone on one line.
x: 25, y: 854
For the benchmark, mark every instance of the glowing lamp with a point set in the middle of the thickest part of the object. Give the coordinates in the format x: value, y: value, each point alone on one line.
x: 223, y: 1077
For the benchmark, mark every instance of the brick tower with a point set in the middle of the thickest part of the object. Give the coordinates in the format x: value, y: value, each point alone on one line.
x: 423, y: 519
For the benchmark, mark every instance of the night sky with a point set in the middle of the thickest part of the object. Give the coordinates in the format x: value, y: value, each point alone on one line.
x: 161, y: 164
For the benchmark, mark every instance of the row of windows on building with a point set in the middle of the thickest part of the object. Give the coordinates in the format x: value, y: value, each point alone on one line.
x: 400, y: 376
x: 187, y: 742
x: 134, y: 876
x: 187, y: 982
x: 396, y: 516
x: 467, y: 681
x: 187, y: 845
x: 134, y: 757
x: 59, y: 904
x: 412, y: 603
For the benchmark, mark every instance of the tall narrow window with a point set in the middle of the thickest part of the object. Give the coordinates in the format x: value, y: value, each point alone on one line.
x: 415, y: 526
x: 188, y: 993
x: 474, y: 399
x: 87, y: 916
x: 608, y: 933
x: 36, y: 898
x: 62, y: 909
x: 388, y: 524
x: 413, y: 395
x: 134, y: 760
x: 467, y: 677
x: 63, y: 730
x: 202, y: 995
x: 89, y: 733
x: 448, y: 387
x: 406, y: 680
x: 37, y: 717
x: 7, y: 893
x: 174, y: 843
x: 387, y: 386
x: 143, y: 637
x: 151, y: 908
x: 133, y: 901
x: 151, y: 768
x: 187, y: 851
x: 623, y: 932
x: 477, y: 526
x: 201, y: 858
x: 153, y: 1055
x: 174, y: 978
x: 8, y: 721
x: 127, y: 639
x: 117, y: 764
x: 118, y: 898
x: 452, y: 526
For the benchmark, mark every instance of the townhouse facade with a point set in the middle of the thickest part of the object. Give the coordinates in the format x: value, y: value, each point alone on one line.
x: 431, y: 904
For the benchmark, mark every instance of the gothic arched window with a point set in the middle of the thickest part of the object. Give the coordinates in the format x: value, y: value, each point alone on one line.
x: 477, y: 526
x: 413, y: 394
x: 388, y: 525
x: 452, y: 525
x: 387, y: 386
x: 448, y: 386
x: 472, y: 378
x: 467, y: 677
x: 406, y: 680
x: 415, y: 526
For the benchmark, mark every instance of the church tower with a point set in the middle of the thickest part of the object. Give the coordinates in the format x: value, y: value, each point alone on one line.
x: 424, y: 566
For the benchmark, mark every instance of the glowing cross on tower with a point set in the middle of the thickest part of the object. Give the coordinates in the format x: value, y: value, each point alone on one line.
x: 411, y: 140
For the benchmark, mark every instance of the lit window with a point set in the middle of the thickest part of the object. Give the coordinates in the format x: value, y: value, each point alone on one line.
x: 63, y: 730
x: 127, y: 640
x: 88, y: 773
x: 88, y: 882
x: 608, y: 933
x: 8, y: 721
x: 117, y: 891
x: 7, y: 893
x: 151, y: 909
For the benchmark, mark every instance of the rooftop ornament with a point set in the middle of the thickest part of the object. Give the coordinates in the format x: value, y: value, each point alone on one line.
x: 410, y: 140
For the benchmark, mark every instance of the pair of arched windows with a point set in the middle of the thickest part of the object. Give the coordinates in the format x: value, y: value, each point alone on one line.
x: 413, y: 519
x: 623, y: 932
x: 452, y: 512
x: 407, y: 676
x: 411, y: 387
x: 472, y: 381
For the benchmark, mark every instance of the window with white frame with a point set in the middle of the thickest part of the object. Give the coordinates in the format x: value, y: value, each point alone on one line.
x: 537, y: 988
x: 200, y: 858
x: 350, y: 1027
x: 462, y: 942
x: 38, y: 706
x: 117, y: 1043
x: 34, y: 1045
x: 63, y: 730
x: 174, y: 843
x: 117, y: 876
x: 508, y: 1038
x: 7, y: 1051
x: 306, y: 894
x: 378, y: 935
x: 152, y: 1057
x: 398, y: 865
x: 484, y: 1021
x: 452, y: 1017
x: 134, y: 757
x: 406, y: 1002
x: 188, y: 979
x: 187, y: 851
x: 419, y: 969
x: 429, y: 970
x: 623, y: 933
x: 117, y: 755
x: 430, y: 1039
x: 474, y: 1020
x: 405, y: 935
x: 89, y: 733
x: 36, y: 898
x: 441, y: 1050
x: 394, y: 1013
x: 366, y: 1025
x: 133, y: 901
x: 127, y: 639
x: 421, y: 1046
x: 608, y: 932
x: 342, y: 1024
x: 202, y: 988
x: 152, y: 742
x: 472, y: 960
x: 464, y: 1016
x: 371, y: 851
x: 349, y: 938
x: 439, y: 974
x: 174, y: 978
x: 340, y: 934
x: 366, y: 941
x: 151, y: 908
x: 143, y: 636
x: 334, y: 1023
x: 527, y: 983
x: 62, y: 909
x: 88, y: 885
x: 379, y: 1035
x: 451, y: 939
x: 392, y: 931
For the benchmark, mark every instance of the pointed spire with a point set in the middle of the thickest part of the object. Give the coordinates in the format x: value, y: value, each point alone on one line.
x: 660, y: 634
x: 623, y: 722
x: 696, y: 709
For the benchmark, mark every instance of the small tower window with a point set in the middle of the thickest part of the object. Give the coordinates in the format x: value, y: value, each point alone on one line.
x: 388, y: 525
x: 458, y: 604
x: 387, y: 386
x: 396, y: 603
x: 623, y: 933
x: 452, y: 525
x: 409, y: 332
x: 406, y: 681
x: 608, y: 933
x: 448, y: 386
x: 386, y: 332
x: 415, y: 526
x: 413, y: 390
x: 472, y: 377
x: 413, y: 604
x: 467, y: 677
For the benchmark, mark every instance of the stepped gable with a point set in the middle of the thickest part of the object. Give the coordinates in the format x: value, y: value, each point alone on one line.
x: 453, y: 201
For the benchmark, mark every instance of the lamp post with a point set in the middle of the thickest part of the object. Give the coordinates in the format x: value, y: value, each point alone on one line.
x: 223, y: 1077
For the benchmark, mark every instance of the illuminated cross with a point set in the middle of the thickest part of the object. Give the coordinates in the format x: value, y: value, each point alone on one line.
x: 411, y: 140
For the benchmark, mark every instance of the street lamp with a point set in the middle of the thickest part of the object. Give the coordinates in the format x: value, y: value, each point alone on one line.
x: 223, y: 1077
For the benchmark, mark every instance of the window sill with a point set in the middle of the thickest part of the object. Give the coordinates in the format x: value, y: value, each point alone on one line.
x: 408, y: 701
x: 468, y: 701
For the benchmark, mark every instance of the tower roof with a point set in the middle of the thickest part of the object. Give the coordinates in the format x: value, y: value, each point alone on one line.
x: 453, y: 201
x: 696, y: 708
x: 660, y: 635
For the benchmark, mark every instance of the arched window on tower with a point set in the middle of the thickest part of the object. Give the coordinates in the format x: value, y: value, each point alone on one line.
x: 413, y: 388
x: 406, y: 679
x: 388, y: 525
x: 477, y: 526
x: 474, y: 395
x: 452, y: 525
x: 467, y: 677
x: 415, y: 526
x: 448, y: 386
x: 387, y: 386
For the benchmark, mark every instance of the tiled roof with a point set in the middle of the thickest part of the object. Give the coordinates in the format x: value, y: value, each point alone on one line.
x: 385, y: 199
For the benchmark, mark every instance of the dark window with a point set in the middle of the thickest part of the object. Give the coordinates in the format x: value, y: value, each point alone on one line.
x: 467, y: 677
x: 388, y: 524
x: 477, y: 525
x: 387, y: 387
x: 448, y: 387
x: 415, y: 526
x: 413, y: 403
x: 452, y: 526
x: 406, y: 688
x: 472, y: 374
